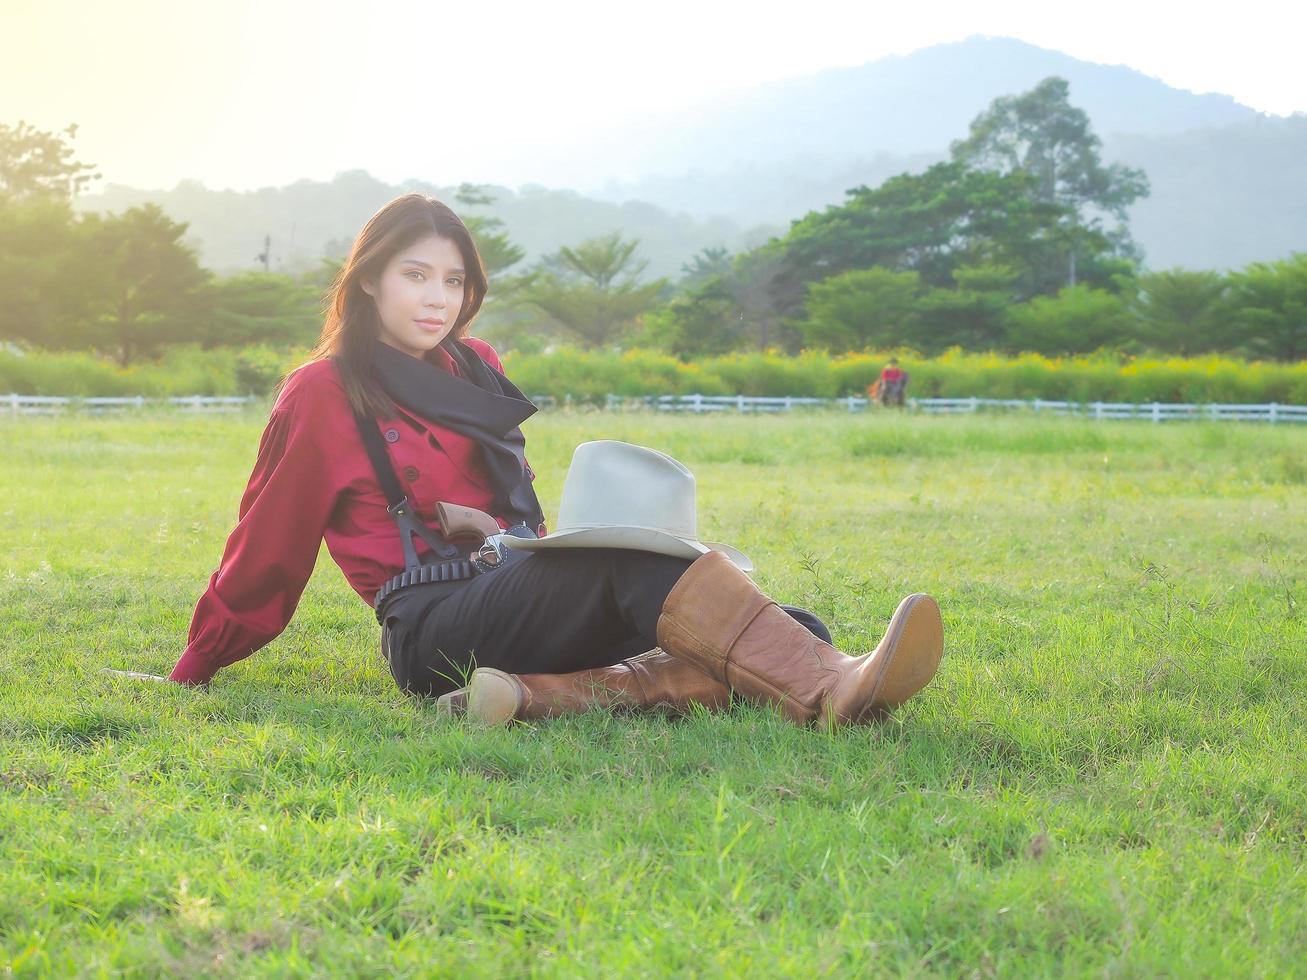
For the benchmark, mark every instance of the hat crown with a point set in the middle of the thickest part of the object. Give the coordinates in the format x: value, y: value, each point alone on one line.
x: 617, y: 483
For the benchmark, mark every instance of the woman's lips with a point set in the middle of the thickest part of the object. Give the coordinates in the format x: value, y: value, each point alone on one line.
x: 430, y: 324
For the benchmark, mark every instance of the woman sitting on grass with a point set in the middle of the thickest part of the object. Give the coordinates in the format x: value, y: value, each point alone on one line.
x: 555, y: 630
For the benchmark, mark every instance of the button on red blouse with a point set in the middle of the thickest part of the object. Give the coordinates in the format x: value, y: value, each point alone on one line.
x: 312, y: 480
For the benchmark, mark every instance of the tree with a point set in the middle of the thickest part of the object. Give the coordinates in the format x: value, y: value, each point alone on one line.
x: 259, y: 308
x: 1268, y: 304
x: 943, y: 219
x: 591, y: 290
x: 862, y: 308
x: 706, y: 263
x: 1077, y: 320
x: 35, y: 163
x: 1181, y: 311
x: 42, y: 272
x: 742, y: 307
x: 498, y: 253
x: 972, y: 316
x: 145, y: 285
x: 701, y: 323
x: 753, y: 286
x: 1040, y: 134
x: 505, y: 318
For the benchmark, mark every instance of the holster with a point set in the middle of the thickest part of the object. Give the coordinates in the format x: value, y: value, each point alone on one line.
x: 456, y: 564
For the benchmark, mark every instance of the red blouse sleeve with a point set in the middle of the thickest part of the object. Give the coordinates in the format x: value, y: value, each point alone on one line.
x: 270, y: 554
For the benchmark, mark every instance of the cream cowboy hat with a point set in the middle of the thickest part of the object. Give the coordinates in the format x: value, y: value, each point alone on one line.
x: 617, y: 495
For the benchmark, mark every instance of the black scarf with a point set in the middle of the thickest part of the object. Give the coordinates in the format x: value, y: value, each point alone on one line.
x: 482, y: 404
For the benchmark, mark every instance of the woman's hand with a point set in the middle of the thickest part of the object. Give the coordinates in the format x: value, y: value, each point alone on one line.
x: 133, y: 674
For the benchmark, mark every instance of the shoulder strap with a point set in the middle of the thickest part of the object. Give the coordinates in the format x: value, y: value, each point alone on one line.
x: 376, y: 449
x: 399, y: 507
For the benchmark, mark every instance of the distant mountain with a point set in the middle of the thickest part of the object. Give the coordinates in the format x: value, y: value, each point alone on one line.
x: 308, y: 220
x: 1223, y: 196
x: 1228, y: 182
x: 902, y: 105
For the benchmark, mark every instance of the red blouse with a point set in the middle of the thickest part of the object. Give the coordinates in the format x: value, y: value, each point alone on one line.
x: 313, y: 480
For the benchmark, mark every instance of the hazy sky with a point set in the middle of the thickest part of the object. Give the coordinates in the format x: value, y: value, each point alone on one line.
x: 246, y: 94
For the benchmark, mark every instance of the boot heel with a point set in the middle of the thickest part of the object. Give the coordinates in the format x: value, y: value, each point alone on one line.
x: 453, y: 704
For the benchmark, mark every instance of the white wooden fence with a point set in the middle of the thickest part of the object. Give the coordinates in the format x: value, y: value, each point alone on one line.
x: 1149, y: 411
x: 54, y: 404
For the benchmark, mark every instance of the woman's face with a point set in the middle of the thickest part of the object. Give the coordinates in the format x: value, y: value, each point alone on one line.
x: 419, y: 294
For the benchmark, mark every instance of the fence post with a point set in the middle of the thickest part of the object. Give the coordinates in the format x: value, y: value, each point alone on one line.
x: 1037, y: 404
x: 789, y: 403
x: 975, y: 404
x: 739, y: 403
x: 1273, y: 412
x: 1098, y: 410
x: 1157, y: 412
x: 696, y: 404
x: 13, y: 404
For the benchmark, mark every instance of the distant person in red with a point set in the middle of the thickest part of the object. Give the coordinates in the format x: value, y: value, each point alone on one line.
x: 889, y: 388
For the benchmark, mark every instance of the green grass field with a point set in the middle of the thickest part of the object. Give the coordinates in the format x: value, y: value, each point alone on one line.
x: 1106, y: 778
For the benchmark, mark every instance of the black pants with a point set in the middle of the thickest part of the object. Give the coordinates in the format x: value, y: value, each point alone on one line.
x: 549, y: 612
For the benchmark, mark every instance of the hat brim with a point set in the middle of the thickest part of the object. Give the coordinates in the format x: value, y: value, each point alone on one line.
x: 632, y: 538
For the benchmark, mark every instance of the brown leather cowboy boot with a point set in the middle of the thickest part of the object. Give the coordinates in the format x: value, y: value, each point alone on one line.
x: 716, y: 619
x: 650, y: 680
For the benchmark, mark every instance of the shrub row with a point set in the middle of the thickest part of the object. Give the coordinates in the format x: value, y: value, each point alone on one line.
x: 592, y: 375
x: 182, y: 370
x: 589, y: 376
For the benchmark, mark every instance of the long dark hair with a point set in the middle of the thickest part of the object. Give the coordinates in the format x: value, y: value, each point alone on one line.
x: 351, y: 323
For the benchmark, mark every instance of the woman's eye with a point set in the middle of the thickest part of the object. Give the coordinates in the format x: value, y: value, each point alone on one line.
x: 418, y: 274
x: 455, y: 281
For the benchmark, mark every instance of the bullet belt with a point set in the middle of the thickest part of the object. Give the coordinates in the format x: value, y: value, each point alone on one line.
x: 452, y: 570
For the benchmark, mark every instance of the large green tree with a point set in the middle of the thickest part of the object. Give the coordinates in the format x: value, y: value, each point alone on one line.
x: 122, y: 283
x: 145, y: 285
x: 879, y: 308
x: 43, y: 273
x: 943, y: 219
x: 1268, y: 307
x: 1182, y: 311
x: 506, y: 318
x: 1040, y: 134
x: 1077, y: 320
x: 36, y: 163
x: 973, y: 315
x: 259, y: 308
x: 861, y: 308
x: 42, y: 270
x: 592, y: 290
x: 498, y: 252
x: 738, y: 307
x: 1018, y: 211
